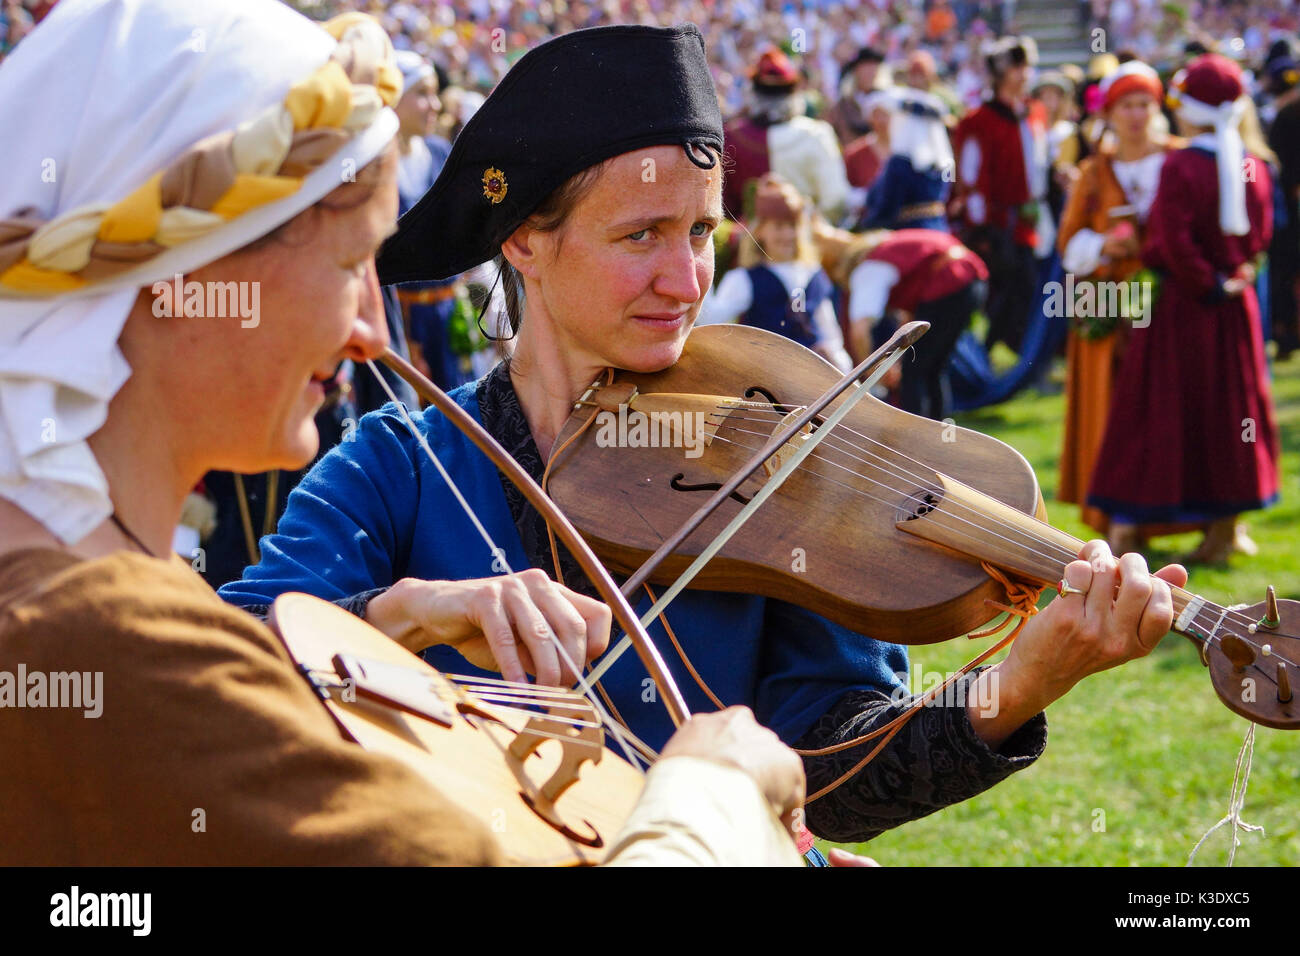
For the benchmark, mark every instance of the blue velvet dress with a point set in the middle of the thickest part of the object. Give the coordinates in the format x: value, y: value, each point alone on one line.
x: 903, y: 197
x: 375, y: 510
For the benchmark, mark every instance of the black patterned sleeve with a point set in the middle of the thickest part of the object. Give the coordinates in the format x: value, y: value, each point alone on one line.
x: 935, y: 760
x: 353, y: 603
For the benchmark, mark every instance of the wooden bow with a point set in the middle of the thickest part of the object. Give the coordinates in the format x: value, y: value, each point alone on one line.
x: 591, y: 565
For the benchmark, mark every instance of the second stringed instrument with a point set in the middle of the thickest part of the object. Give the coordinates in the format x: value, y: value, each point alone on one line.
x: 529, y: 762
x: 885, y: 528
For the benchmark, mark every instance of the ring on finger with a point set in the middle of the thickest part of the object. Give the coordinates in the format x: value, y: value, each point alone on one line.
x: 1064, y: 589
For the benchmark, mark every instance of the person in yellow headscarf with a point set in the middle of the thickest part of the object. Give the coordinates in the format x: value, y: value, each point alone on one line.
x: 204, y: 155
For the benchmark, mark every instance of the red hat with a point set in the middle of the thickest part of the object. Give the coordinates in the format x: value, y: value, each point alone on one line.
x: 774, y: 71
x: 1210, y: 79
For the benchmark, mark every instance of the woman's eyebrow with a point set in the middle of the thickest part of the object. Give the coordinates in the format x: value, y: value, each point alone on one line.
x: 645, y: 222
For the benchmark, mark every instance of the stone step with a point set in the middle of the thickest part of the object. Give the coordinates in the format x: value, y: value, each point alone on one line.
x: 1055, y: 23
x: 1026, y: 6
x: 1062, y: 43
x: 1049, y: 34
x: 1051, y: 59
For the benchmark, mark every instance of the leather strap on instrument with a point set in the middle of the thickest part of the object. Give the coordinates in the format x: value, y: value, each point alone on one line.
x: 1023, y: 605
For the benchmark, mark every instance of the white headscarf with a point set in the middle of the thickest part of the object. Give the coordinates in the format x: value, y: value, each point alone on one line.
x: 916, y: 129
x: 414, y: 68
x: 101, y: 96
x: 1229, y: 153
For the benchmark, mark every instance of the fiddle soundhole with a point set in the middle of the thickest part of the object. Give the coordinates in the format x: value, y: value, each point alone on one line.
x: 919, y: 504
x: 679, y: 484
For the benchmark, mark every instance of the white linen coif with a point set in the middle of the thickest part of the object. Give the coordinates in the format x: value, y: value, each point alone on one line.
x: 102, y: 95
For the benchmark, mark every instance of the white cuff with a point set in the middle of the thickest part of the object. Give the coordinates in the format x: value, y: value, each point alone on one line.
x: 695, y: 812
x: 1082, y: 255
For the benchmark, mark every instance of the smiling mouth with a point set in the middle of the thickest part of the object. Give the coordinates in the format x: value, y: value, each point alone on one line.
x: 663, y: 319
x: 319, y: 382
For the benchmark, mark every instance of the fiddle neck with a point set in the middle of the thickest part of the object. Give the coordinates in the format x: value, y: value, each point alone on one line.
x: 959, y: 517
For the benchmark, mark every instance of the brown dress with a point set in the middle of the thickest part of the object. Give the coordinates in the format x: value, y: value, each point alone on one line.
x: 209, y: 748
x: 1091, y: 364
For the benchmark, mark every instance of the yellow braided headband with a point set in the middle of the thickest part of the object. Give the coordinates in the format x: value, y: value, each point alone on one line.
x: 215, y: 180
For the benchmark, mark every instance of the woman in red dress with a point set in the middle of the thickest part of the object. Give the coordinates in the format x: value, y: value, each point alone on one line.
x: 1191, y: 434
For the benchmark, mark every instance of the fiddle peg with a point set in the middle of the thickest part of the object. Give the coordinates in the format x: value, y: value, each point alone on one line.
x: 1271, y: 618
x: 1283, y: 684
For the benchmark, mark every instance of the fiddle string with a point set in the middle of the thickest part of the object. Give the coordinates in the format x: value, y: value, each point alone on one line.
x: 500, y: 555
x: 552, y: 718
x: 908, y: 497
x: 913, y: 498
x: 474, y: 684
x: 933, y: 488
x: 928, y: 485
x: 928, y: 482
x: 1053, y: 568
x: 507, y: 699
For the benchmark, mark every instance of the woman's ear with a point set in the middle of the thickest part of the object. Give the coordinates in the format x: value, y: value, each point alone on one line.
x: 522, y: 249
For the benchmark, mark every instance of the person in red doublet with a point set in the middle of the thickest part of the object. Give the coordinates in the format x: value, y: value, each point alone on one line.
x: 1191, y: 434
x: 923, y: 274
x: 1001, y: 150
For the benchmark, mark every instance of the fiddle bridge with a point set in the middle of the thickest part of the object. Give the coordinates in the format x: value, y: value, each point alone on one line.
x: 577, y: 728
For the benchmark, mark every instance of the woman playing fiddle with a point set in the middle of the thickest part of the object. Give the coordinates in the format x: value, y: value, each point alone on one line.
x: 592, y: 172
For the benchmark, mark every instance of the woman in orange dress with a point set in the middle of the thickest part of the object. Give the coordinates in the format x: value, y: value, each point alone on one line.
x: 1100, y: 239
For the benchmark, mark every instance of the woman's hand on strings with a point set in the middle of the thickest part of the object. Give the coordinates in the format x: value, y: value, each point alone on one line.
x: 500, y: 623
x: 1121, y: 614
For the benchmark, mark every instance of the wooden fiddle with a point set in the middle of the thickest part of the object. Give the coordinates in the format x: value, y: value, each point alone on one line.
x: 542, y: 779
x: 884, y: 529
x: 530, y: 762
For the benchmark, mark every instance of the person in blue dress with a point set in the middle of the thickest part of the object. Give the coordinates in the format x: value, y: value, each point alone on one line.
x: 426, y: 308
x: 780, y: 285
x: 598, y: 193
x: 912, y: 190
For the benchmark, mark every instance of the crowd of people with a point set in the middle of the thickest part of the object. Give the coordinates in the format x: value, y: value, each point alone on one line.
x: 864, y: 182
x: 887, y: 162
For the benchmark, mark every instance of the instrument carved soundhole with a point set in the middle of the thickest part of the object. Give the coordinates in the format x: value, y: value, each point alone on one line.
x: 677, y: 484
x: 919, y: 504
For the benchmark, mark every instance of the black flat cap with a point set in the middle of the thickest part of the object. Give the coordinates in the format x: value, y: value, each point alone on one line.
x: 568, y: 104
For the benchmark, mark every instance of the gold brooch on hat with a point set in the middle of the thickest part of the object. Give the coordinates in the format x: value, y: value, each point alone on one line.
x: 494, y: 184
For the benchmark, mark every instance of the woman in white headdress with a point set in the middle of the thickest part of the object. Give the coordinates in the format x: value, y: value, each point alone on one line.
x: 190, y: 216
x: 912, y: 190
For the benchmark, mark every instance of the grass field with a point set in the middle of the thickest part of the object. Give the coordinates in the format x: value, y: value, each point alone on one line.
x: 1140, y: 759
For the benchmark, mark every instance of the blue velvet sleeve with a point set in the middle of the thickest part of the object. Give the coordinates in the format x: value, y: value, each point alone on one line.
x: 809, y: 663
x: 347, y: 526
